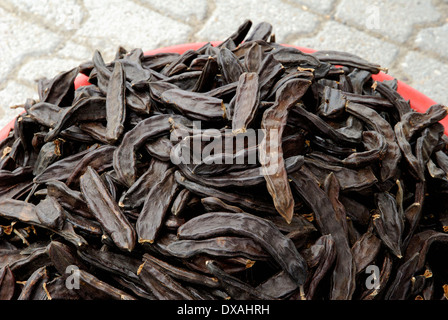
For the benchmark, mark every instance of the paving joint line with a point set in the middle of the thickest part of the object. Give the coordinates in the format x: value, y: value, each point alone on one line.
x: 211, y: 8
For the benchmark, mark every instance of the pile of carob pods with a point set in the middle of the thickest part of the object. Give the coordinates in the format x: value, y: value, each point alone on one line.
x: 247, y: 170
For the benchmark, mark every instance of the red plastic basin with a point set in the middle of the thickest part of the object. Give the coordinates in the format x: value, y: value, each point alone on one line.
x: 419, y: 101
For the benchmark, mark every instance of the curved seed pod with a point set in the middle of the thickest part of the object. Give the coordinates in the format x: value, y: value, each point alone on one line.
x: 333, y: 102
x: 92, y: 287
x: 323, y: 260
x: 213, y: 204
x: 347, y: 59
x: 303, y: 74
x: 102, y: 74
x: 7, y: 284
x: 339, y: 228
x: 157, y: 61
x: 365, y: 250
x: 116, y: 103
x: 218, y: 247
x: 246, y: 102
x: 403, y: 107
x: 184, y: 275
x: 386, y: 273
x: 48, y: 154
x: 388, y: 223
x: 20, y: 174
x: 182, y: 60
x: 160, y: 148
x: 138, y: 101
x: 155, y: 207
x: 106, y: 210
x: 53, y: 220
x: 349, y: 179
x: 244, y: 178
x: 358, y: 78
x: 400, y: 287
x: 194, y: 105
x: 61, y: 88
x: 268, y: 74
x: 290, y: 56
x: 223, y: 91
x: 50, y: 213
x: 389, y: 163
x: 34, y: 284
x: 45, y: 113
x: 262, y: 231
x: 238, y: 36
x: 421, y: 243
x: 69, y: 199
x: 88, y: 109
x: 230, y: 66
x: 426, y: 144
x: 261, y: 31
x: 186, y: 80
x: 181, y: 202
x: 206, y: 79
x: 99, y: 159
x: 245, y: 201
x: 124, y: 161
x: 113, y: 262
x: 20, y: 210
x: 406, y: 149
x: 253, y: 57
x: 136, y: 194
x: 62, y: 256
x: 61, y: 169
x: 343, y: 275
x: 234, y: 287
x: 96, y: 130
x: 376, y: 148
x: 279, y: 286
x: 28, y: 263
x: 163, y: 286
x: 271, y: 153
x: 315, y: 123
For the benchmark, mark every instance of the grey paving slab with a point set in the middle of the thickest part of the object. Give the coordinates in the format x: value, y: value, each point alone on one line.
x: 393, y: 19
x: 68, y: 16
x: 427, y: 75
x: 114, y: 23
x: 74, y: 51
x: 337, y: 36
x: 46, y: 67
x: 188, y: 11
x: 20, y: 38
x: 286, y: 19
x: 323, y: 6
x: 434, y: 40
x: 14, y: 93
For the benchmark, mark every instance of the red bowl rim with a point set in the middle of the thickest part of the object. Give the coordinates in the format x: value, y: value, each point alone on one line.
x: 418, y: 100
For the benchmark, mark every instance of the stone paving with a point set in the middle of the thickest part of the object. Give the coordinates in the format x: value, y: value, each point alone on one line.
x: 40, y: 38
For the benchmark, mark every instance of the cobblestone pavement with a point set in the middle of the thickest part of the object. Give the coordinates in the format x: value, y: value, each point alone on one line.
x: 39, y: 38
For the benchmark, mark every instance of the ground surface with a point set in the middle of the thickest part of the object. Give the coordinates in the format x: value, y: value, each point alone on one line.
x: 39, y: 38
